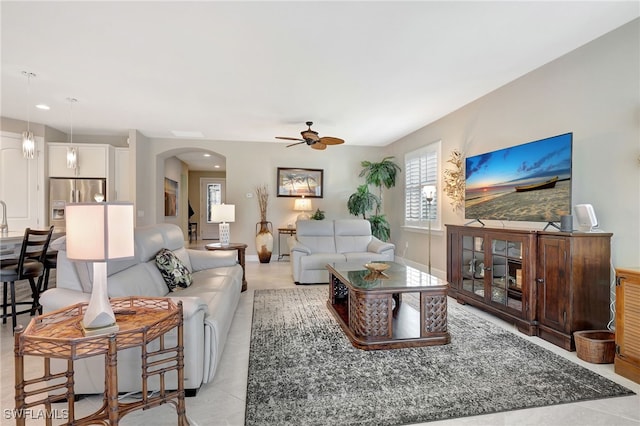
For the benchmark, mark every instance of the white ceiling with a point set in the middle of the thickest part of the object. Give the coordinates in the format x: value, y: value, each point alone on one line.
x: 367, y: 72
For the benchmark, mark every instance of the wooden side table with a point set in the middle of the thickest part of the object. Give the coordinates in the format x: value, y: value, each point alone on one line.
x: 58, y: 335
x: 281, y: 232
x: 240, y: 248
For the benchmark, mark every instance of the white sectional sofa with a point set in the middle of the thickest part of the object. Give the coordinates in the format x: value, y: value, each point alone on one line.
x: 209, y: 304
x: 340, y: 241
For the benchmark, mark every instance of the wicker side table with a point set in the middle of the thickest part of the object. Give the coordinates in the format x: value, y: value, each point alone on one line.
x: 58, y: 335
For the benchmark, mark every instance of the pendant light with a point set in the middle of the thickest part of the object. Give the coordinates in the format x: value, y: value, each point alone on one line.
x: 28, y: 141
x: 72, y: 152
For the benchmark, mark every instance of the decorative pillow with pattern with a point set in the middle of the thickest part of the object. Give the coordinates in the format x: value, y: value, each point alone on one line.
x: 174, y: 272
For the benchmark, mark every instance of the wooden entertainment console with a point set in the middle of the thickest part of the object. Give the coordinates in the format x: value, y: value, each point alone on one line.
x: 548, y: 284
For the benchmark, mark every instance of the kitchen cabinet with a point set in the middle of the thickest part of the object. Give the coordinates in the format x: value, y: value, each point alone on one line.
x: 93, y: 160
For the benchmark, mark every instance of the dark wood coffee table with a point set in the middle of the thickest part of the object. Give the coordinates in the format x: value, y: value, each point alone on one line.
x: 370, y: 310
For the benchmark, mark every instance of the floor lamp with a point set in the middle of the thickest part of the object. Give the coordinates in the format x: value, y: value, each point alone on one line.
x: 428, y: 191
x: 97, y: 232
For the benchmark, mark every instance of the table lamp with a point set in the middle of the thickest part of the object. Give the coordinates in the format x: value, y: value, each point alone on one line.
x: 302, y: 205
x: 97, y: 232
x: 223, y: 213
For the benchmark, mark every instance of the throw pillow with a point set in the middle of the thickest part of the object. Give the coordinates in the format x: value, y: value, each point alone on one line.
x: 174, y: 272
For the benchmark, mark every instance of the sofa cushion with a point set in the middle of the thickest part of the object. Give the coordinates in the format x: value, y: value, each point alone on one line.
x: 174, y: 272
x: 139, y: 280
x: 201, y: 259
x: 317, y: 235
x: 352, y: 235
x: 320, y: 260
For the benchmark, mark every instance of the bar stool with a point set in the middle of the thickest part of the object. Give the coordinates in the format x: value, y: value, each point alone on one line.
x: 29, y: 266
x: 50, y: 262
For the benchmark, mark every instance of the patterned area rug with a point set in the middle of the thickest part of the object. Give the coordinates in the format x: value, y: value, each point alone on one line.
x: 304, y: 371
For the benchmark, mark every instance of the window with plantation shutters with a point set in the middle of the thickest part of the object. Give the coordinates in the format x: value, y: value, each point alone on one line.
x: 421, y: 169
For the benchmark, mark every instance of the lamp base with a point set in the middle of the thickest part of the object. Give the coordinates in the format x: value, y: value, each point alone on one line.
x: 98, y: 331
x: 303, y: 216
x: 225, y: 234
x: 99, y: 317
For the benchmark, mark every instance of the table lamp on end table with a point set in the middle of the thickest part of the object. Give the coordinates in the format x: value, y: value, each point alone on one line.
x: 97, y: 232
x: 223, y: 213
x: 302, y: 205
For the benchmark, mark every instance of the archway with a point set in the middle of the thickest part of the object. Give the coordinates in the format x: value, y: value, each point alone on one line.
x: 187, y: 166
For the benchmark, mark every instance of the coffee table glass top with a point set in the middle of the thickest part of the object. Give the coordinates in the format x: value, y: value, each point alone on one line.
x: 396, y: 277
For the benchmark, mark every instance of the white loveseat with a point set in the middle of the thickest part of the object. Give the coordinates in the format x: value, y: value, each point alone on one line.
x: 209, y: 304
x: 340, y: 241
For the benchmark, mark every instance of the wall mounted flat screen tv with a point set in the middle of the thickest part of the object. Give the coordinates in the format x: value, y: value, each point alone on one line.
x: 528, y: 182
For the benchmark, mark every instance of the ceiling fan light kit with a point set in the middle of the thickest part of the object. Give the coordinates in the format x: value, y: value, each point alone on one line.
x: 311, y: 138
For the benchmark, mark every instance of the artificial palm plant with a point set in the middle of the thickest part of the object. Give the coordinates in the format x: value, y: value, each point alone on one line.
x: 379, y: 174
x: 362, y: 201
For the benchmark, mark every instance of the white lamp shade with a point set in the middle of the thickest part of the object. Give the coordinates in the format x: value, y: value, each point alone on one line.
x: 97, y: 232
x: 302, y: 205
x: 429, y: 191
x: 223, y: 213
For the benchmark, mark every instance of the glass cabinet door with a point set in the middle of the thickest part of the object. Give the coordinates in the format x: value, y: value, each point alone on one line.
x: 473, y: 265
x: 506, y: 273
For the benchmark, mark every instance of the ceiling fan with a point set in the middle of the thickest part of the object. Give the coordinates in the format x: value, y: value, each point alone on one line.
x: 311, y: 138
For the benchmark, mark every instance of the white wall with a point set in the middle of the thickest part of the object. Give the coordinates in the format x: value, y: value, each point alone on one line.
x: 593, y: 92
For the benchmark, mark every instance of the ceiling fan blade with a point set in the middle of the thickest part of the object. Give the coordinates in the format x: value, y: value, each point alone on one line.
x: 289, y: 139
x: 294, y: 144
x: 328, y: 140
x: 318, y: 145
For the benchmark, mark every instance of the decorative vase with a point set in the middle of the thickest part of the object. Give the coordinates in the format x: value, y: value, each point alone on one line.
x: 264, y: 241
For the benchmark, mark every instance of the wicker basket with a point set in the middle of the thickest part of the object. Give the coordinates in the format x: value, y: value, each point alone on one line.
x: 595, y: 346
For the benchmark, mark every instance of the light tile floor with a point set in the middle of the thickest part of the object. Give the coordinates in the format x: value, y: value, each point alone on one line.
x: 222, y: 402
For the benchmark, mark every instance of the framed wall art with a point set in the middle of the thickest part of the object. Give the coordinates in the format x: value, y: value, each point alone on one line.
x: 293, y: 182
x: 170, y: 197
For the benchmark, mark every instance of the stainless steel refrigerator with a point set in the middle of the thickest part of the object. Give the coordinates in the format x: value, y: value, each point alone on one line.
x: 71, y: 190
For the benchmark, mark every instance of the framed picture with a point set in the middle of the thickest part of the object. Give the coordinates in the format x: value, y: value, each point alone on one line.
x: 170, y: 197
x: 293, y: 182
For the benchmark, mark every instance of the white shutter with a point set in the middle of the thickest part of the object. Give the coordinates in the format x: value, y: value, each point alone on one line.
x: 421, y: 168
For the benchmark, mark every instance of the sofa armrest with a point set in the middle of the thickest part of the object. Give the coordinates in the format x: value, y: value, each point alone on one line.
x: 297, y: 246
x: 377, y: 246
x: 202, y: 259
x: 191, y: 305
x: 58, y: 298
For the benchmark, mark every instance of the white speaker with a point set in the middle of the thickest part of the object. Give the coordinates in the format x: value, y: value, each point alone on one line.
x: 585, y: 217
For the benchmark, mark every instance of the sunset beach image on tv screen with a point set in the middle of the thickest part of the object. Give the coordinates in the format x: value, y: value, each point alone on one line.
x: 528, y: 182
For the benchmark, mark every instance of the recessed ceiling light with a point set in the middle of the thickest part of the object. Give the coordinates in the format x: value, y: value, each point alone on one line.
x: 43, y: 106
x: 207, y: 155
x: 187, y: 134
x: 217, y: 166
